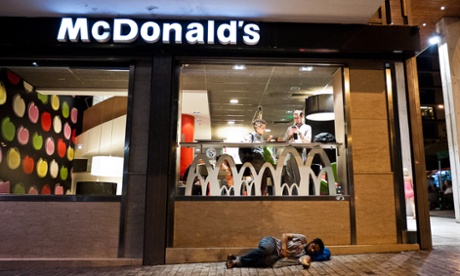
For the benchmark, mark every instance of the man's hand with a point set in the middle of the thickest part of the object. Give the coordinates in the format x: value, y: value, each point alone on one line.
x: 305, y: 261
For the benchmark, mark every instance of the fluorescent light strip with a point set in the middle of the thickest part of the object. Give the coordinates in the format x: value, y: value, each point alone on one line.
x: 68, y: 92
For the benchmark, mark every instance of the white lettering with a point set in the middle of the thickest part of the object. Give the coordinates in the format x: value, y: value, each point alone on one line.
x: 195, y: 33
x: 101, y: 31
x: 168, y: 28
x: 70, y: 31
x: 226, y: 33
x: 210, y: 31
x: 127, y: 31
x: 118, y: 35
x: 252, y: 35
x: 155, y: 29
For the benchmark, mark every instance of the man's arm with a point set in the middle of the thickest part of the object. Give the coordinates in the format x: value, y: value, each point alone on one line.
x: 284, y: 241
x: 287, y: 135
x: 305, y: 134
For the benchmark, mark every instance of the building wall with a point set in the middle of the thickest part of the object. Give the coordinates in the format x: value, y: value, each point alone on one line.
x: 59, y: 229
x: 373, y: 177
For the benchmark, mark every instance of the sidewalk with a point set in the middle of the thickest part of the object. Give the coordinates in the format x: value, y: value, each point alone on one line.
x: 442, y: 260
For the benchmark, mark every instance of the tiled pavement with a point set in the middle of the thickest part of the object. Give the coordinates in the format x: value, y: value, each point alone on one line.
x: 444, y: 259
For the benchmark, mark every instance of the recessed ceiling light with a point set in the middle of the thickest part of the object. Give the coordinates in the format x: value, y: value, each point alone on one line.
x: 306, y: 68
x: 424, y: 24
x: 443, y: 8
x: 234, y: 101
x: 239, y: 67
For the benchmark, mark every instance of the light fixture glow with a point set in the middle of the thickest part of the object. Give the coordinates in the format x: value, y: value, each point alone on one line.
x: 83, y: 92
x: 306, y: 68
x: 443, y: 8
x: 435, y: 39
x: 440, y: 106
x: 110, y: 166
x: 239, y: 67
x: 233, y: 101
x: 231, y: 122
x: 324, y: 116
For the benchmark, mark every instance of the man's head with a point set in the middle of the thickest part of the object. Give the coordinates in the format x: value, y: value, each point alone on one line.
x: 259, y: 126
x: 298, y: 116
x: 314, y: 246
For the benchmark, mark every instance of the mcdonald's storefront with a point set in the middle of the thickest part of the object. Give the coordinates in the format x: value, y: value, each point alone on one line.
x: 98, y: 159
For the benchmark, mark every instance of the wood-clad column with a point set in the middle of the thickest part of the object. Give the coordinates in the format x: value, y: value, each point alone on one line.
x: 415, y: 120
x: 373, y: 183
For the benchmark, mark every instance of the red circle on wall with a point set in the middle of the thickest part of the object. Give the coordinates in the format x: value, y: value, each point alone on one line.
x: 61, y: 148
x: 46, y: 121
x: 28, y: 164
x: 74, y: 135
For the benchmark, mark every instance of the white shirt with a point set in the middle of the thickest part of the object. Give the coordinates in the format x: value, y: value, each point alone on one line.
x: 304, y: 137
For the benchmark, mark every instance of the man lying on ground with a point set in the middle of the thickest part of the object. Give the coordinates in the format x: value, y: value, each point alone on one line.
x: 291, y: 249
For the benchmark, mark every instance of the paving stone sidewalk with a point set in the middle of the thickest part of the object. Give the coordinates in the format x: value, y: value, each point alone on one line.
x: 442, y: 260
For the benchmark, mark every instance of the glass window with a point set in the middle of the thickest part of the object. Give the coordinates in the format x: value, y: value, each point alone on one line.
x: 258, y: 129
x: 62, y: 130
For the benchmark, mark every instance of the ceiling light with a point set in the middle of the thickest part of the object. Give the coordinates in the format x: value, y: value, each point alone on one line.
x: 306, y: 68
x: 423, y: 24
x: 440, y: 106
x: 239, y: 67
x: 434, y: 39
x: 443, y: 8
x: 233, y: 101
x: 84, y: 92
x: 320, y: 108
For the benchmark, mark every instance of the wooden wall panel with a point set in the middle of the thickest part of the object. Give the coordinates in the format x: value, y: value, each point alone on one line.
x: 373, y: 181
x: 243, y: 223
x: 104, y: 112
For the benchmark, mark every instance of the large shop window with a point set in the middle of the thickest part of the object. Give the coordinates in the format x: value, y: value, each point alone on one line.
x: 62, y: 130
x: 260, y: 130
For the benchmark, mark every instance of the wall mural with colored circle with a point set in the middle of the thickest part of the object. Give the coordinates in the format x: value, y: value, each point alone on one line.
x: 37, y: 137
